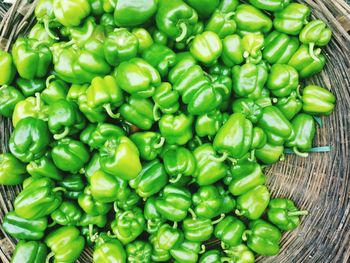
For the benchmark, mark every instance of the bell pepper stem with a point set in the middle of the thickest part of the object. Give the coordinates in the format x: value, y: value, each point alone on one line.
x: 160, y: 144
x: 176, y: 179
x: 299, y: 153
x: 226, y: 260
x: 203, y: 249
x: 239, y: 213
x: 183, y: 29
x: 111, y: 235
x: 298, y: 213
x: 82, y: 170
x: 52, y: 224
x: 222, y: 216
x: 3, y: 87
x: 48, y: 30
x: 245, y: 234
x: 229, y: 15
x: 175, y: 225
x: 59, y: 189
x: 312, y: 52
x: 282, y: 158
x: 49, y: 256
x: 223, y: 87
x: 252, y: 156
x: 298, y: 92
x: 193, y: 214
x: 156, y: 117
x: 223, y: 245
x: 151, y: 226
x: 37, y: 101
x: 48, y: 80
x: 219, y: 159
x: 63, y: 134
x: 110, y: 112
x: 246, y: 54
x: 93, y: 237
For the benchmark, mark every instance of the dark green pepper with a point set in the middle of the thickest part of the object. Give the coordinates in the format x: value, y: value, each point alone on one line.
x: 248, y: 108
x: 204, y: 8
x: 30, y: 86
x: 166, y: 99
x: 73, y: 184
x: 67, y: 214
x: 230, y: 231
x: 210, y: 123
x: 153, y: 217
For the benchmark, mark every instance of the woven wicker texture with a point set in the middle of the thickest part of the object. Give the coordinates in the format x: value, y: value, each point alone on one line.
x: 319, y: 183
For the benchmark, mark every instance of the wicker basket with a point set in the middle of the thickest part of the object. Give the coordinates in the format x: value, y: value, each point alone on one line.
x: 319, y: 183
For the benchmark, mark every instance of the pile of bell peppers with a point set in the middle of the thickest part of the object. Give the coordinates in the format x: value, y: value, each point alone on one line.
x: 143, y: 128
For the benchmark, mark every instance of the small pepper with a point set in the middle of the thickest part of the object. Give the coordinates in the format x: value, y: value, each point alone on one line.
x: 12, y: 171
x: 176, y: 129
x: 44, y: 167
x: 317, y: 100
x: 101, y: 133
x: 207, y: 201
x: 74, y: 186
x: 206, y: 47
x: 232, y: 50
x: 127, y: 199
x: 168, y: 237
x: 108, y: 249
x: 153, y: 217
x: 166, y: 99
x: 228, y: 202
x: 73, y: 15
x: 282, y: 80
x: 29, y: 252
x: 186, y: 252
x: 55, y: 90
x: 67, y: 214
x: 197, y: 229
x: 144, y: 38
x: 30, y: 87
x: 91, y: 206
x: 7, y: 68
x: 9, y: 97
x: 230, y: 231
x: 184, y: 61
x: 159, y: 37
x: 149, y: 144
x: 248, y: 108
x: 210, y: 123
x: 289, y: 106
x: 139, y: 252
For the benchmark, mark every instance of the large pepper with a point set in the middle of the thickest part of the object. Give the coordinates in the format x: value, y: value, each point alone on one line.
x: 70, y: 155
x: 7, y: 68
x: 246, y: 176
x: 66, y: 244
x: 109, y: 250
x: 230, y: 231
x: 168, y: 237
x: 206, y: 47
x: 67, y: 214
x: 207, y: 201
x: 204, y: 8
x: 282, y: 80
x: 263, y: 238
x: 30, y: 87
x: 186, y: 252
x: 304, y: 132
x: 64, y: 119
x: 9, y: 97
x: 317, y: 100
x: 153, y: 217
x: 150, y: 180
x: 234, y: 138
x: 232, y: 50
x: 289, y: 106
x: 249, y: 80
x: 276, y: 126
x: 70, y: 12
x: 12, y: 171
x: 279, y: 47
x: 284, y: 214
x: 73, y: 184
x: 91, y: 206
x: 160, y: 57
x: 29, y: 252
x: 209, y: 170
x: 133, y: 13
x: 149, y: 144
x: 166, y: 99
x: 31, y: 58
x: 248, y: 108
x: 173, y: 203
x: 209, y: 123
x: 120, y: 45
x: 240, y: 254
x: 253, y: 203
x: 269, y: 153
x: 120, y: 157
x: 178, y: 162
x: 137, y: 77
x: 128, y: 225
x: 292, y: 18
x: 138, y: 111
x: 176, y: 19
x: 139, y: 252
x: 44, y: 167
x: 270, y: 5
x: 28, y: 229
x: 248, y: 18
x: 307, y: 64
x: 176, y: 129
x: 30, y: 139
x: 37, y: 199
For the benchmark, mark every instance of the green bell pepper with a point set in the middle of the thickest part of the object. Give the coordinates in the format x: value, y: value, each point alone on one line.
x: 42, y: 32
x: 230, y: 231
x: 137, y: 77
x: 221, y: 23
x: 127, y: 199
x: 37, y: 199
x: 206, y: 47
x: 176, y: 19
x: 276, y: 126
x: 184, y: 61
x: 197, y: 229
x: 144, y: 38
x: 150, y: 180
x: 253, y: 203
x: 269, y: 153
x: 153, y: 217
x: 92, y: 166
x: 291, y: 19
x: 168, y: 237
x: 158, y: 254
x: 55, y: 90
x: 207, y: 201
x: 317, y: 100
x: 203, y: 8
x: 138, y: 111
x: 173, y: 203
x: 101, y: 133
x: 307, y: 64
x: 128, y: 225
x: 133, y: 13
x: 259, y: 138
x: 9, y: 97
x: 12, y: 171
x: 160, y: 57
x: 64, y: 119
x: 30, y: 139
x: 120, y: 157
x: 21, y: 228
x: 67, y: 214
x: 73, y: 15
x: 186, y: 252
x: 66, y: 244
x: 107, y: 20
x: 90, y: 205
x: 214, y: 256
x: 165, y: 99
x: 284, y: 214
x: 109, y: 250
x: 7, y: 68
x: 29, y: 252
x: 270, y: 5
x: 263, y: 238
x: 149, y: 144
x: 73, y: 184
x: 240, y: 254
x: 289, y: 106
x: 249, y: 108
x: 120, y: 45
x: 228, y: 202
x: 178, y: 162
x: 159, y: 37
x: 44, y: 167
x: 30, y: 87
x: 282, y: 80
x: 44, y: 11
x: 209, y: 123
x: 232, y: 50
x: 31, y: 58
x: 234, y: 138
x: 209, y: 170
x: 279, y: 47
x: 304, y: 129
x: 139, y: 252
x: 248, y: 18
x: 70, y: 155
x: 176, y: 129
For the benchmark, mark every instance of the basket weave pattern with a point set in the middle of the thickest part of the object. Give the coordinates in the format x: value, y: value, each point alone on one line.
x: 319, y: 183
